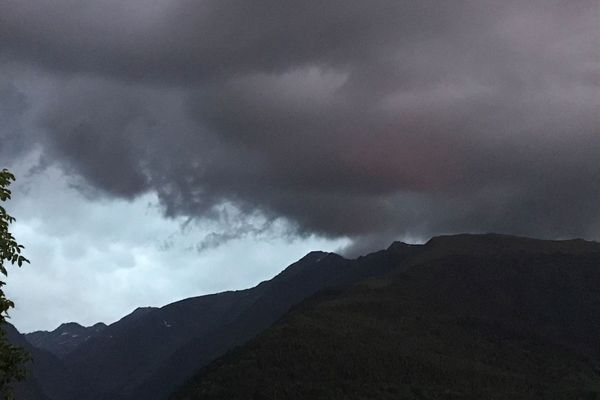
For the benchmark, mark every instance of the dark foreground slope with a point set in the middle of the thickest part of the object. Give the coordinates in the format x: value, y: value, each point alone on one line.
x: 466, y: 317
x: 153, y: 351
x: 44, y: 367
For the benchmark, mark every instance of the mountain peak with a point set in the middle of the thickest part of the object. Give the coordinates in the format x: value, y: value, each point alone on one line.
x: 314, y: 256
x: 397, y: 245
x: 69, y: 325
x: 64, y: 339
x: 142, y: 310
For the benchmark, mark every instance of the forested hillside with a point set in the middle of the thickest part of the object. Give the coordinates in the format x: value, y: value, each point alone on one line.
x: 486, y: 317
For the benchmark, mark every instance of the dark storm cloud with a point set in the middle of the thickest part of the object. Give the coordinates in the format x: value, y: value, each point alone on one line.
x: 186, y: 40
x: 13, y: 106
x: 371, y: 120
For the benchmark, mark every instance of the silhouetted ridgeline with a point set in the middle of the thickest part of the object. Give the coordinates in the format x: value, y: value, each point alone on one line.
x: 467, y: 316
x: 151, y: 352
x: 474, y: 317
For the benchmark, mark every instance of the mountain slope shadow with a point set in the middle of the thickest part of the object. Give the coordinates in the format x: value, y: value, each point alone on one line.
x: 467, y: 317
x: 152, y: 351
x: 47, y: 377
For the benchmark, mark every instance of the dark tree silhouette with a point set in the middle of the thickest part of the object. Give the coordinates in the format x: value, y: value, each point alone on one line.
x: 12, y: 358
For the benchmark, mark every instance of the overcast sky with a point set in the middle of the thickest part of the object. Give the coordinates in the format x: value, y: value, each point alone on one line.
x: 170, y: 148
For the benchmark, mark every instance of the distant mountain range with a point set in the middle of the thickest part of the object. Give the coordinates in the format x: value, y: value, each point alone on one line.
x: 64, y: 339
x: 467, y: 316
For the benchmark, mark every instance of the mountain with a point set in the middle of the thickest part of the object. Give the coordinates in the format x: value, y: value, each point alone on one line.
x: 151, y: 352
x: 465, y: 315
x: 44, y: 367
x: 462, y: 317
x: 315, y: 272
x: 64, y: 339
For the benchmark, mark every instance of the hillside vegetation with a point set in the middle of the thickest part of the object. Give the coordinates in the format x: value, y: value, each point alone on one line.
x: 466, y: 317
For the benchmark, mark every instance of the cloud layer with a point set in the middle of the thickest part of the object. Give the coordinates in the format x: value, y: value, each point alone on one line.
x: 369, y: 120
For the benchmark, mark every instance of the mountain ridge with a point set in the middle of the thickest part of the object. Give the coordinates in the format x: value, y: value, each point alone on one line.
x: 150, y: 352
x: 509, y: 323
x: 65, y: 338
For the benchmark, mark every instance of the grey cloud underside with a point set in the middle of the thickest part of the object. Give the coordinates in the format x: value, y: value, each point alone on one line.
x: 370, y: 119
